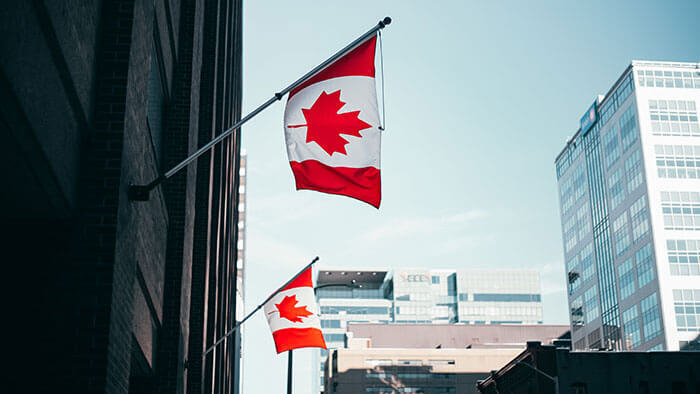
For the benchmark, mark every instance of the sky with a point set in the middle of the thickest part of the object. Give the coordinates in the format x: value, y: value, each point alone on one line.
x: 480, y: 98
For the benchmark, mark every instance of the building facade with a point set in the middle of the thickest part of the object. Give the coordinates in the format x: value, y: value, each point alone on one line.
x: 424, y: 296
x: 629, y: 189
x: 116, y: 295
x: 427, y: 358
x: 547, y: 369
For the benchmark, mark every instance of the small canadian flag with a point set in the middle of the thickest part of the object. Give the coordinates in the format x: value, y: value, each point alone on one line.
x: 331, y: 125
x: 292, y: 314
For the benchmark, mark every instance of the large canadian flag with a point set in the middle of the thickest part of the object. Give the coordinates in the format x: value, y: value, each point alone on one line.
x: 331, y: 126
x: 293, y: 315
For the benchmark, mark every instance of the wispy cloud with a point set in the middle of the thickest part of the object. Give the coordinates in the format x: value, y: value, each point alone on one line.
x: 417, y: 225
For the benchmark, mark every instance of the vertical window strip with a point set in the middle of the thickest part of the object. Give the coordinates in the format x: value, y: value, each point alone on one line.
x: 621, y: 234
x: 626, y: 276
x: 617, y: 190
x: 640, y: 219
x: 644, y: 260
x: 650, y: 317
x: 630, y: 319
x: 587, y: 265
x: 633, y: 171
x: 590, y: 298
x: 611, y: 145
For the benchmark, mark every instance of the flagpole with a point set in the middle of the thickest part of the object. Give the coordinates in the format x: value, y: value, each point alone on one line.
x: 238, y: 324
x: 142, y: 192
x: 289, y: 373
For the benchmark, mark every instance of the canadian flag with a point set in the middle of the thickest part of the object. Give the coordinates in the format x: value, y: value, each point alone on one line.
x: 331, y: 126
x: 292, y: 314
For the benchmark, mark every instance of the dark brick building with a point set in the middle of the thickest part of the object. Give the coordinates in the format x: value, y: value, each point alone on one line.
x: 548, y: 369
x: 100, y: 293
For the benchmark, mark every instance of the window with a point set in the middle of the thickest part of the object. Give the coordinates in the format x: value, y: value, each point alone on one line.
x: 633, y: 171
x: 611, y: 145
x: 410, y: 362
x: 587, y: 266
x: 645, y: 265
x: 155, y: 104
x: 330, y: 323
x: 686, y: 303
x: 375, y: 362
x: 622, y: 235
x: 630, y: 320
x: 583, y: 224
x: 590, y: 299
x: 577, y: 312
x: 579, y: 180
x: 567, y: 196
x: 678, y: 161
x: 681, y: 210
x: 626, y: 274
x: 334, y: 337
x: 435, y: 280
x: 669, y: 79
x: 574, y: 273
x: 684, y: 256
x: 676, y: 118
x: 628, y: 128
x: 650, y: 318
x: 617, y: 188
x: 374, y: 375
x: 441, y: 362
x: 640, y: 220
x: 507, y: 297
x: 354, y: 310
x: 570, y: 233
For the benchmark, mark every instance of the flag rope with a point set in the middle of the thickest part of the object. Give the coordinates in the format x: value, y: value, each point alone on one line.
x: 381, y: 70
x: 238, y: 324
x: 142, y: 192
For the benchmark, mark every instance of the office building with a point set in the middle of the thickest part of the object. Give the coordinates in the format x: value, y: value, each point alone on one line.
x: 547, y: 369
x: 424, y: 296
x: 427, y: 358
x: 108, y: 294
x: 629, y: 188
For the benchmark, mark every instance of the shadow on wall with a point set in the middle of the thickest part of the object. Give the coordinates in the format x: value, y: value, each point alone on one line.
x: 394, y: 379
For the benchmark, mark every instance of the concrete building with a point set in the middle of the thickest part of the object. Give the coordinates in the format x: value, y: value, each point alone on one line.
x: 629, y: 187
x: 411, y: 296
x: 546, y: 369
x: 426, y: 358
x: 111, y: 295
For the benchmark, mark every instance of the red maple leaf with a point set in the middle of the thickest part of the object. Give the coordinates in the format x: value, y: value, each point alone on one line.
x: 288, y: 309
x: 324, y: 124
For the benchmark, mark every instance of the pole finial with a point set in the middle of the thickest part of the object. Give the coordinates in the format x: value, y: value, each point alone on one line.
x: 384, y: 22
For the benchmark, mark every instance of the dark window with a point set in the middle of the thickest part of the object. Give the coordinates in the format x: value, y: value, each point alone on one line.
x: 155, y: 103
x: 643, y: 387
x: 678, y: 388
x: 579, y: 388
x: 435, y: 279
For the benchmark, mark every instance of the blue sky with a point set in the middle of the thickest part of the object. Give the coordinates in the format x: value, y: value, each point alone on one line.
x: 480, y: 98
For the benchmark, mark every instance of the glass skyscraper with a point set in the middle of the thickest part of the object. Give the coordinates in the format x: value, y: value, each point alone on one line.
x: 423, y: 296
x: 629, y: 188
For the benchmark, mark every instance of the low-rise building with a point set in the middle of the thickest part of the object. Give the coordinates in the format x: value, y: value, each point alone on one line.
x: 426, y: 358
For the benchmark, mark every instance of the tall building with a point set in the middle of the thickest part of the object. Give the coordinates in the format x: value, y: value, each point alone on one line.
x: 109, y: 294
x: 629, y: 187
x: 423, y: 296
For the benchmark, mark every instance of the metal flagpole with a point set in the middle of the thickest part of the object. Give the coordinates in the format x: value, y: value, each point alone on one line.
x: 238, y: 324
x: 142, y: 192
x: 289, y: 373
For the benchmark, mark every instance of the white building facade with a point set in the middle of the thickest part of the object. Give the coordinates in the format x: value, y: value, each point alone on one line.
x: 629, y: 188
